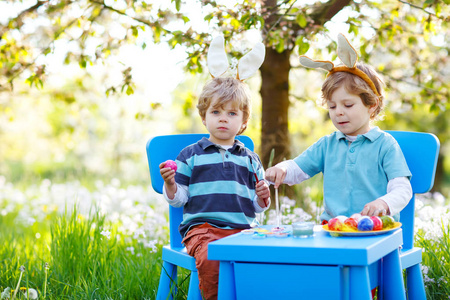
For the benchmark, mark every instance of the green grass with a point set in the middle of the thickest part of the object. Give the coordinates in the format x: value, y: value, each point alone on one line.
x: 436, y: 262
x: 83, y: 264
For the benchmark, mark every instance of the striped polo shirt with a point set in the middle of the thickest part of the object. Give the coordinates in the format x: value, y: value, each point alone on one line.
x: 221, y: 185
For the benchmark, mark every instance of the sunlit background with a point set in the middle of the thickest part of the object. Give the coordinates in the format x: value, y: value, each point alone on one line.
x: 78, y: 139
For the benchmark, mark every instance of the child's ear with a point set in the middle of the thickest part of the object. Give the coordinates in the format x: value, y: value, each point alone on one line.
x: 204, y: 122
x: 372, y: 109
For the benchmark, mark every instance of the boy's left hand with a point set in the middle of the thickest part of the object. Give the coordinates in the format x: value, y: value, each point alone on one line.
x: 263, y: 192
x: 376, y: 208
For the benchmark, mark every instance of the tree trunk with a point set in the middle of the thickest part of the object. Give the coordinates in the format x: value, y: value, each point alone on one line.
x: 275, y: 105
x: 439, y: 176
x: 275, y: 82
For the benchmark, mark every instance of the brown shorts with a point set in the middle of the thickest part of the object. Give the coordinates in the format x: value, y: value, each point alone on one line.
x: 196, y: 241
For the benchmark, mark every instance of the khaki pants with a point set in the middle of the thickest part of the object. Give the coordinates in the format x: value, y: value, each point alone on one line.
x: 196, y: 241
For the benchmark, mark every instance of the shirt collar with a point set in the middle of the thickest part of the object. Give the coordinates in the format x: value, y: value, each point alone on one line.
x: 371, y: 135
x: 205, y: 143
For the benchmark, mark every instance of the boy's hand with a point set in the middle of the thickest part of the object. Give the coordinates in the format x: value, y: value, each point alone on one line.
x: 276, y: 175
x: 167, y: 174
x: 263, y: 192
x: 376, y: 208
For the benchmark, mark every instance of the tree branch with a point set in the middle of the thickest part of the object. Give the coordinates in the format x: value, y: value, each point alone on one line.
x: 145, y: 22
x: 266, y: 32
x: 32, y: 62
x: 328, y: 10
x: 19, y: 18
x: 402, y: 80
x: 424, y: 10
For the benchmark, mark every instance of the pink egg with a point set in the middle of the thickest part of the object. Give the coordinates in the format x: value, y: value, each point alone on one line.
x: 171, y: 164
x: 377, y: 223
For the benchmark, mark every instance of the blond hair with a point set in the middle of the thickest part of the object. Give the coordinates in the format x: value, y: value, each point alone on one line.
x: 355, y: 85
x: 222, y: 90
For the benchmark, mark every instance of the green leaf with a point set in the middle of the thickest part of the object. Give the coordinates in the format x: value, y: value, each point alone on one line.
x: 412, y: 40
x: 177, y: 4
x: 280, y: 46
x: 434, y: 108
x: 130, y: 90
x: 156, y: 34
x: 411, y: 19
x: 134, y: 31
x: 303, y: 46
x: 208, y: 17
x: 301, y: 20
x: 83, y: 63
x: 353, y: 29
x: 245, y: 18
x: 261, y: 20
x: 235, y: 23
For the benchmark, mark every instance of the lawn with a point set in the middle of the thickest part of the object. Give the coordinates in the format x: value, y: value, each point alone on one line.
x: 65, y: 241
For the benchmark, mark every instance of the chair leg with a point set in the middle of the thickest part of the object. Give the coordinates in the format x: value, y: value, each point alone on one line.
x: 167, y: 281
x: 415, y: 286
x: 194, y: 290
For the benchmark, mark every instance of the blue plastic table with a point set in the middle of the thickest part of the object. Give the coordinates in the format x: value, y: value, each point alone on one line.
x: 319, y: 267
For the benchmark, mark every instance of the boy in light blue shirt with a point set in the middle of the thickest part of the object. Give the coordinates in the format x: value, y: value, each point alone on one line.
x: 364, y: 169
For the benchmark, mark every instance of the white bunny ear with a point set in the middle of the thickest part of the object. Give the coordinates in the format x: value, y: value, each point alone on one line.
x: 310, y: 63
x: 347, y: 54
x: 217, y: 58
x: 251, y: 62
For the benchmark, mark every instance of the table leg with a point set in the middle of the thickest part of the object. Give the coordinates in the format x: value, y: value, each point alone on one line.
x: 360, y: 283
x: 394, y: 288
x: 227, y: 287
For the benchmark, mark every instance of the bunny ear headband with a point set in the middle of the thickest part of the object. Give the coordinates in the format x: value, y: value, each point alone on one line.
x: 218, y: 62
x: 347, y: 54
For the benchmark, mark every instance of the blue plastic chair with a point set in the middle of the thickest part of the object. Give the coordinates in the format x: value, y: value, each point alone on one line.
x: 421, y: 152
x: 174, y: 255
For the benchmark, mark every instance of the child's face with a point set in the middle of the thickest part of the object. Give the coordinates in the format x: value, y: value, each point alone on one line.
x: 348, y: 113
x: 223, y: 123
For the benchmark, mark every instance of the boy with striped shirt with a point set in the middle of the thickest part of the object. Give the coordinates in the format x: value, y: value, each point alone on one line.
x: 215, y: 179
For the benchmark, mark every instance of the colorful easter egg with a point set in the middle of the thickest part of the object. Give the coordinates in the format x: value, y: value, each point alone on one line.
x: 335, y: 224
x: 377, y: 223
x: 388, y: 221
x: 365, y: 224
x: 351, y: 223
x: 171, y: 164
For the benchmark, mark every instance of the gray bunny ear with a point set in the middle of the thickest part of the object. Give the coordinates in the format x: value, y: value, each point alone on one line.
x: 347, y: 54
x: 310, y: 63
x: 251, y: 62
x: 217, y: 58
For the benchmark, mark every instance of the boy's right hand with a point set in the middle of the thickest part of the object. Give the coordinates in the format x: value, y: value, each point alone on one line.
x: 167, y: 174
x: 276, y: 175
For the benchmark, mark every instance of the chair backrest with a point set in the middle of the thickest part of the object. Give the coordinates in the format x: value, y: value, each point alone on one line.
x: 164, y: 147
x: 421, y: 152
